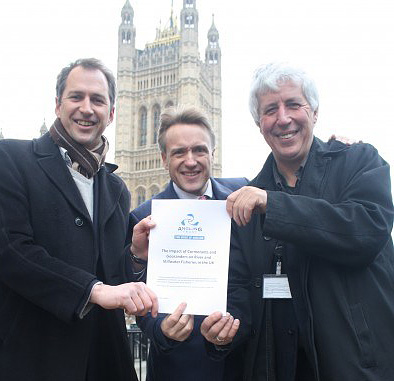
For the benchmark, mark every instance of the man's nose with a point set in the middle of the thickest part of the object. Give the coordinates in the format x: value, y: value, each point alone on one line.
x: 86, y: 106
x: 190, y: 160
x: 283, y: 116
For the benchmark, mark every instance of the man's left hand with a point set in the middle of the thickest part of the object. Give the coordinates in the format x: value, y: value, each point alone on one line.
x: 219, y: 329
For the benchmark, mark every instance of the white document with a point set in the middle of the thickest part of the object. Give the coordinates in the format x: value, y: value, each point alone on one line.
x: 189, y: 254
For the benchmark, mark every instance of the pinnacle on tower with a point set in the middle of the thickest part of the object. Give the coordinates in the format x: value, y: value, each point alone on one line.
x: 43, y: 129
x: 212, y: 52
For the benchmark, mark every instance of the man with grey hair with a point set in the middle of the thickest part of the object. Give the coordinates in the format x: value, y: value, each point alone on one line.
x: 187, y: 144
x: 314, y: 240
x: 63, y: 227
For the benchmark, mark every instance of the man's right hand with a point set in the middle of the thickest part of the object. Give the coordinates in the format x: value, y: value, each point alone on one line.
x: 134, y: 297
x: 140, y: 241
x: 247, y: 200
x: 178, y: 326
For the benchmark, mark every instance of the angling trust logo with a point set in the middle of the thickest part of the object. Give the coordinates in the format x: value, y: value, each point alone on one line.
x: 189, y: 220
x: 190, y: 224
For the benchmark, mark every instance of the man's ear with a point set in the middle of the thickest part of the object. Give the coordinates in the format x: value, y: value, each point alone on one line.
x: 111, y: 116
x: 57, y: 107
x: 315, y: 114
x: 164, y: 158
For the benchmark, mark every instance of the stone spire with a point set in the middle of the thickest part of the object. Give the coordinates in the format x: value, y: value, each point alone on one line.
x: 212, y: 52
x: 43, y: 129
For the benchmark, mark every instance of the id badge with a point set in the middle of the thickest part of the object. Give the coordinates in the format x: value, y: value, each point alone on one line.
x: 276, y: 286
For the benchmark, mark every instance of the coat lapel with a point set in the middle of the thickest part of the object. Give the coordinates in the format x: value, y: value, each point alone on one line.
x: 51, y: 162
x: 220, y: 192
x: 314, y: 179
x: 168, y: 193
x: 109, y: 194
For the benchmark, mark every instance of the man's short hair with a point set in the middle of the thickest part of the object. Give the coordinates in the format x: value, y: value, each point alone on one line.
x: 267, y: 78
x: 182, y: 115
x: 89, y: 64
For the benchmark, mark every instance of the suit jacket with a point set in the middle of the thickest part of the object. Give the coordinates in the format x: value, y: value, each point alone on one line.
x: 170, y: 360
x: 339, y: 257
x: 51, y: 253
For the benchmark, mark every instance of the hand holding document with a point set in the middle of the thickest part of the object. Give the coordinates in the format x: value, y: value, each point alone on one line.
x: 188, y: 255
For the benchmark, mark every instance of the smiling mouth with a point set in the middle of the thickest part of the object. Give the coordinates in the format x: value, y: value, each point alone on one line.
x: 289, y: 135
x: 191, y: 174
x: 84, y: 123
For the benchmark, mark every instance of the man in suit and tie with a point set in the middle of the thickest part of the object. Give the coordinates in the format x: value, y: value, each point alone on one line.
x: 187, y: 144
x: 63, y: 227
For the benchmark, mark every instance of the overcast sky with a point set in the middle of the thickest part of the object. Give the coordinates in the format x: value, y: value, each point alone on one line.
x: 346, y: 45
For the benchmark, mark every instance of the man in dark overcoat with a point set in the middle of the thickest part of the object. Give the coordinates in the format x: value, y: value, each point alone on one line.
x: 314, y: 240
x: 62, y: 237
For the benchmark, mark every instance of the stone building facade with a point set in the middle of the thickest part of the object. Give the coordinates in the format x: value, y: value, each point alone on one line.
x: 167, y: 72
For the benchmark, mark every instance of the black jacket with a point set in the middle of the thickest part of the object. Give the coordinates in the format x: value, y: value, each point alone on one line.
x: 339, y: 258
x: 50, y: 253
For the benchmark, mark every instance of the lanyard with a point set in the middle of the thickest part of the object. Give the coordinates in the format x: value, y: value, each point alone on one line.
x: 278, y: 255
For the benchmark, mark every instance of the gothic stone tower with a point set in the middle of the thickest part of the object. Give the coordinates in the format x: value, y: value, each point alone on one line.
x: 168, y: 72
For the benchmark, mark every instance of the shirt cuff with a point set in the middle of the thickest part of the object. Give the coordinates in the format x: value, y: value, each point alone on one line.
x: 87, y: 307
x: 163, y: 343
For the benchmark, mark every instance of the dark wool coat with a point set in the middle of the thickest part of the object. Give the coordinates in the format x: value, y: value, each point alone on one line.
x: 170, y: 360
x: 50, y: 253
x: 339, y: 259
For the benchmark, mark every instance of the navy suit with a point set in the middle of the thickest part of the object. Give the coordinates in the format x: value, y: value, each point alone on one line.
x: 171, y: 360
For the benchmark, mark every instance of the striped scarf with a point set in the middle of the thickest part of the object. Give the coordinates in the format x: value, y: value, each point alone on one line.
x: 86, y: 162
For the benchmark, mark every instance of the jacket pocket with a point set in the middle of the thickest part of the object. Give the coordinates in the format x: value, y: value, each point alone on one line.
x: 363, y: 336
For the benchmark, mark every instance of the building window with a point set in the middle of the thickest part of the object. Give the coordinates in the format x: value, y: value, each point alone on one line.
x: 154, y: 190
x: 140, y: 196
x: 213, y: 43
x: 143, y: 126
x: 156, y: 122
x: 126, y: 37
x: 189, y: 21
x: 169, y: 104
x: 126, y: 19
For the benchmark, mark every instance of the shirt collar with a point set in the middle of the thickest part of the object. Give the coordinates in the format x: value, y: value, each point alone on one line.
x: 65, y: 156
x: 182, y: 194
x: 281, y: 182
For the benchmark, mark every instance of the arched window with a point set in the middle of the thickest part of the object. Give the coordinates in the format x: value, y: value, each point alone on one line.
x: 169, y: 104
x: 155, y: 123
x: 189, y: 21
x: 140, y: 196
x: 143, y: 126
x: 154, y: 190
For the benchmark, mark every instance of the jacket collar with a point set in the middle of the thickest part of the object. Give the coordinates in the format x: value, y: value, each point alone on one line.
x: 316, y: 166
x: 169, y: 192
x: 220, y: 191
x: 51, y: 162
